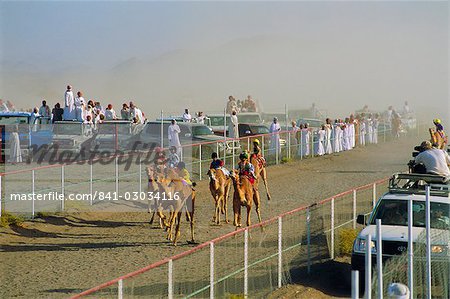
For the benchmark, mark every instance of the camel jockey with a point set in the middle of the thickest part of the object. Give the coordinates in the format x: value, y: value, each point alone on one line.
x: 246, y: 168
x: 173, y: 158
x: 440, y: 129
x: 216, y: 163
x: 257, y: 153
x: 184, y: 174
x: 160, y: 160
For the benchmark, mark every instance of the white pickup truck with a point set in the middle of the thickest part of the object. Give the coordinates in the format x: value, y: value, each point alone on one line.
x: 392, y: 209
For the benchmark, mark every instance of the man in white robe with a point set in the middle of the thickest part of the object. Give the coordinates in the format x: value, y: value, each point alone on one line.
x: 80, y: 107
x: 45, y: 113
x: 275, y: 129
x: 15, y: 155
x: 69, y: 104
x: 233, y: 127
x: 172, y: 134
x: 187, y: 117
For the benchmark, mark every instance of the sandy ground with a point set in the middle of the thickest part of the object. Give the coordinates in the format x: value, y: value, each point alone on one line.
x: 68, y: 253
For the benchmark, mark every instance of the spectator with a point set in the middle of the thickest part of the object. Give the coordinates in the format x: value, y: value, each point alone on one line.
x: 10, y: 106
x: 436, y: 161
x: 125, y: 112
x: 201, y: 118
x: 251, y: 104
x: 98, y: 106
x: 362, y: 131
x: 3, y: 106
x: 173, y: 159
x: 110, y: 114
x: 231, y: 104
x: 275, y: 137
x: 233, y: 128
x: 45, y: 113
x: 187, y: 118
x: 173, y: 132
x: 136, y: 114
x: 33, y: 118
x: 15, y: 155
x: 320, y: 147
x: 57, y: 113
x: 375, y: 123
x: 80, y: 107
x: 396, y: 124
x: 295, y: 130
x: 328, y: 130
x: 406, y: 109
x: 69, y: 104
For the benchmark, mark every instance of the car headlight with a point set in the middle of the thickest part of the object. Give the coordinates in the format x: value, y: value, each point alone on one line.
x: 360, y: 246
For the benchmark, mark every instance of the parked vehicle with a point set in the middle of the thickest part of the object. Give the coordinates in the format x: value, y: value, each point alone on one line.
x: 216, y: 121
x: 114, y: 135
x: 191, y: 133
x: 69, y: 135
x: 392, y: 209
x: 30, y: 135
x: 246, y: 130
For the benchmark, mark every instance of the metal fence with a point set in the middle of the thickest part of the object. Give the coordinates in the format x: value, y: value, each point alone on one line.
x: 113, y: 175
x: 251, y: 261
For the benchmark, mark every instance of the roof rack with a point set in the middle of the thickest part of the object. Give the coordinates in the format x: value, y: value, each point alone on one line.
x: 414, y: 183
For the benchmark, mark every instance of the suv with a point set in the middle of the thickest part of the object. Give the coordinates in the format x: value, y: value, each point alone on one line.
x: 114, y: 135
x: 191, y: 133
x: 246, y: 130
x: 392, y: 209
x: 216, y: 121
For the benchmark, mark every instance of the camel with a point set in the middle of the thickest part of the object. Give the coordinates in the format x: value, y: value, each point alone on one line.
x: 154, y: 205
x: 437, y: 139
x: 245, y: 194
x: 261, y: 172
x: 219, y: 185
x: 179, y: 196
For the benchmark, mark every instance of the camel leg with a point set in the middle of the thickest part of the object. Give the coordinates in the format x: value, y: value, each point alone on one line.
x: 264, y: 179
x: 237, y: 212
x: 225, y: 202
x: 249, y: 209
x: 218, y: 204
x: 177, y: 229
x: 257, y: 201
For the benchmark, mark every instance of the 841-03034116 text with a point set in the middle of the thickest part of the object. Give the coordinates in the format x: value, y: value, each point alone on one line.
x: 98, y: 195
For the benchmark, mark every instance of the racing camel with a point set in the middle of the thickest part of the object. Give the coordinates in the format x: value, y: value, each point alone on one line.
x: 154, y: 205
x: 260, y: 171
x: 180, y: 196
x: 219, y: 185
x: 245, y: 194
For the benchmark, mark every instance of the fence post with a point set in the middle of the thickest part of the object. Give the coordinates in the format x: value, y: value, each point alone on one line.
x: 374, y: 195
x: 170, y: 280
x: 354, y: 209
x: 246, y: 263
x: 277, y: 154
x: 120, y: 289
x: 32, y: 192
x: 262, y: 142
x: 140, y: 175
x: 332, y: 228
x: 410, y: 249
x: 428, y: 240
x: 211, y: 270
x: 308, y: 238
x: 301, y: 145
x: 116, y: 162
x: 91, y: 187
x: 234, y: 156
x: 200, y: 162
x: 62, y: 181
x: 248, y: 143
x: 355, y: 284
x: 312, y: 144
x: 280, y: 250
x: 1, y: 197
x: 368, y: 282
x: 289, y: 145
x: 379, y: 260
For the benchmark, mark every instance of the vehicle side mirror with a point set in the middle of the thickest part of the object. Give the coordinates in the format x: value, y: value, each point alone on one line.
x: 361, y: 219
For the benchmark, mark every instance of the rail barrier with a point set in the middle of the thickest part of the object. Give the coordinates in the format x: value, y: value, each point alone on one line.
x: 110, y: 175
x: 252, y: 261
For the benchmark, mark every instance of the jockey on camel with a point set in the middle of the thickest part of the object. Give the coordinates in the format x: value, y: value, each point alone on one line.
x: 257, y: 153
x: 246, y: 168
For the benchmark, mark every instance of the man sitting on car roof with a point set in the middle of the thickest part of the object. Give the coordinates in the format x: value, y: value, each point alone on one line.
x: 436, y: 161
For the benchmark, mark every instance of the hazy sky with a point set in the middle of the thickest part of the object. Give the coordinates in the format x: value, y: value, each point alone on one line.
x: 392, y: 50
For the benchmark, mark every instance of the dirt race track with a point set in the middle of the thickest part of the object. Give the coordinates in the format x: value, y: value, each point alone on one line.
x: 65, y: 254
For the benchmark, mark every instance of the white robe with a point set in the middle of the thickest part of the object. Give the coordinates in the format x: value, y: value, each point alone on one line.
x: 369, y: 127
x: 337, y: 138
x: 362, y: 133
x: 69, y: 106
x: 79, y: 109
x: 275, y: 138
x: 328, y: 147
x: 304, y: 142
x: 320, y: 147
x: 375, y: 131
x: 137, y: 113
x: 233, y: 128
x: 110, y: 114
x: 15, y: 155
x: 174, y: 140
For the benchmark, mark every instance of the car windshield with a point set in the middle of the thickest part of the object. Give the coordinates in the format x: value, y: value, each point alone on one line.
x: 10, y: 120
x: 395, y: 212
x: 111, y: 128
x: 68, y: 129
x: 257, y: 130
x: 252, y: 118
x: 216, y: 121
x: 312, y: 122
x: 201, y: 130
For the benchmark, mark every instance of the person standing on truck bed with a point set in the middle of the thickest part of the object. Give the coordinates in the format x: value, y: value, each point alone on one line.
x: 436, y: 161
